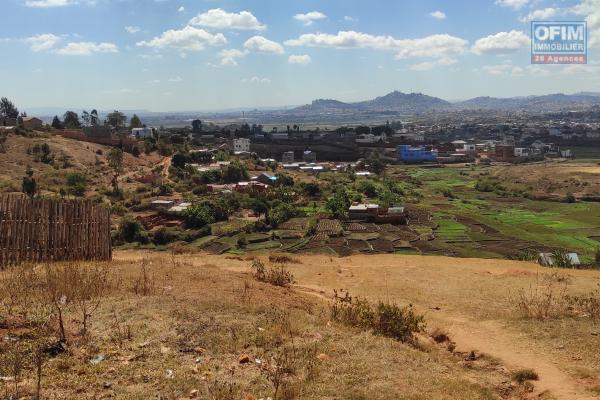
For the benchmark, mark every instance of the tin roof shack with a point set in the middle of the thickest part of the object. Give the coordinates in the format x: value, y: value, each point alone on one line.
x: 181, y: 207
x: 266, y: 178
x: 156, y: 204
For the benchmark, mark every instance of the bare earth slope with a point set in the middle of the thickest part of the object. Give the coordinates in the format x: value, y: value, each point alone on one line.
x: 473, y: 300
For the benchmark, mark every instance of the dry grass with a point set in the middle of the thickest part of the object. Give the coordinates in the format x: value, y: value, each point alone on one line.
x: 178, y: 329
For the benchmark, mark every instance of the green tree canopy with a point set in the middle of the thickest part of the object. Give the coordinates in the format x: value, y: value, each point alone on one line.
x: 136, y: 122
x: 56, y: 124
x: 8, y: 109
x: 116, y: 119
x: 71, y: 120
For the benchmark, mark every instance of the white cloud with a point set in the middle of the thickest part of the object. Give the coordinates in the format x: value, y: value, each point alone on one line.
x: 348, y: 18
x: 230, y: 56
x: 434, y: 46
x: 119, y: 91
x: 188, y: 38
x: 132, y: 29
x: 218, y: 18
x: 507, y: 69
x: 87, y: 48
x: 499, y: 69
x: 300, y: 59
x: 429, y: 65
x: 310, y: 17
x: 150, y: 56
x: 256, y: 79
x: 56, y: 3
x: 438, y: 15
x: 502, y: 43
x: 590, y: 10
x: 544, y: 13
x: 181, y: 9
x: 514, y: 4
x: 176, y: 79
x: 45, y: 41
x: 263, y: 45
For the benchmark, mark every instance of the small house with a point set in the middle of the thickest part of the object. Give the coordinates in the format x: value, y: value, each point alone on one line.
x: 31, y: 122
x: 287, y: 157
x: 162, y: 204
x: 266, y: 178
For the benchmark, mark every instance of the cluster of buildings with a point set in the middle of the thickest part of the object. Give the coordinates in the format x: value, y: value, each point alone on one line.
x: 374, y: 213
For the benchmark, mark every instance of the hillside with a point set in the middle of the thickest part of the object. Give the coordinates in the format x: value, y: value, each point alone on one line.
x: 68, y: 156
x: 201, y: 326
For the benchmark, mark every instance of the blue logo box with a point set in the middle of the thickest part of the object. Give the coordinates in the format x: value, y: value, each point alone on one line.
x: 558, y: 42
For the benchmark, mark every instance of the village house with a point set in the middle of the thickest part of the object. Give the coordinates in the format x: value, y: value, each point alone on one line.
x: 287, y: 157
x: 241, y: 145
x: 31, y: 122
x: 265, y: 178
x: 142, y: 133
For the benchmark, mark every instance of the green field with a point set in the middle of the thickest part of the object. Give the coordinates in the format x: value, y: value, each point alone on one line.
x: 488, y: 224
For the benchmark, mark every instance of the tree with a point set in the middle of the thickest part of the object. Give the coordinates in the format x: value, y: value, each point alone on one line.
x: 196, y: 126
x: 29, y: 185
x: 376, y: 164
x: 46, y: 153
x: 362, y: 130
x: 116, y: 119
x: 115, y: 161
x: 179, y: 160
x: 198, y: 215
x: 338, y: 204
x: 8, y: 109
x: 136, y: 122
x: 71, y: 120
x: 94, y: 117
x: 85, y: 116
x: 56, y: 124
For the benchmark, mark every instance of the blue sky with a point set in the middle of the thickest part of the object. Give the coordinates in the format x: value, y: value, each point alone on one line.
x: 170, y: 55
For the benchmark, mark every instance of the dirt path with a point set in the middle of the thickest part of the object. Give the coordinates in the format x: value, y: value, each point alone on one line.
x: 491, y: 338
x: 468, y: 298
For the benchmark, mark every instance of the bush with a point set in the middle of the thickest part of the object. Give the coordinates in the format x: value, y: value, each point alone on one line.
x: 524, y: 375
x: 132, y: 231
x: 277, y: 276
x: 198, y: 215
x: 386, y: 319
x: 77, y: 183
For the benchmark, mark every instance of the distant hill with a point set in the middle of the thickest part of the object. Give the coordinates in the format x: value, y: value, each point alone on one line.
x: 394, y: 101
x: 550, y: 102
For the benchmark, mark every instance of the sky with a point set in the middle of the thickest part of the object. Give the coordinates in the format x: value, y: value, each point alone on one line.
x: 184, y: 55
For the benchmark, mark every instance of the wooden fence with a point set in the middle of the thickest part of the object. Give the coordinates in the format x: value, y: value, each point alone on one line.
x: 52, y: 230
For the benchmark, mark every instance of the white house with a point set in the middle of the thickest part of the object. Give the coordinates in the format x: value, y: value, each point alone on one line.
x: 141, y: 132
x: 241, y: 145
x: 370, y: 138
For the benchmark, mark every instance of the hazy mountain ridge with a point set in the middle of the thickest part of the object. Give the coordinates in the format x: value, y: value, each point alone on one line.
x: 419, y: 103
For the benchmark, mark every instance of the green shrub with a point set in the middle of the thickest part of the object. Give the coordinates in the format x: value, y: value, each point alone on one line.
x: 386, y: 319
x: 132, y: 231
